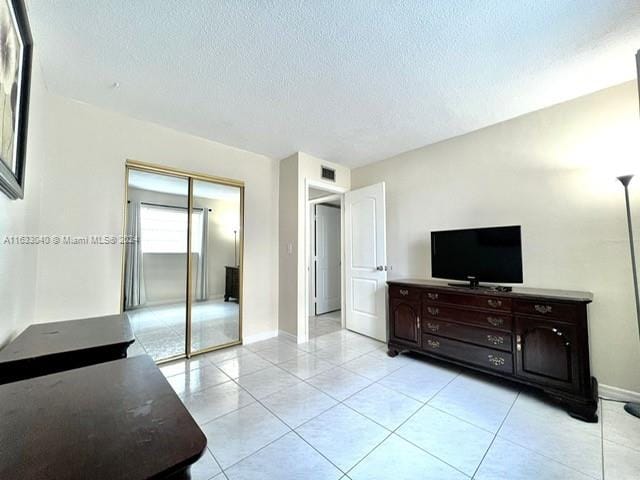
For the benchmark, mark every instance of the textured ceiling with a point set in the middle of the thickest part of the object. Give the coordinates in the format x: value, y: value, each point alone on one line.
x: 352, y: 81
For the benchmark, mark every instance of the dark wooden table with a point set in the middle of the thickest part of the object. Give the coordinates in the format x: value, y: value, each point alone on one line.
x: 47, y: 348
x: 115, y: 420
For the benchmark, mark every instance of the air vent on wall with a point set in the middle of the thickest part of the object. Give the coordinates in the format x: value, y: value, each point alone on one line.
x: 329, y: 174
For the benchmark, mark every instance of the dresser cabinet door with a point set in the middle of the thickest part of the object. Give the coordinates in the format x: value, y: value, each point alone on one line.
x: 405, y: 322
x: 547, y: 352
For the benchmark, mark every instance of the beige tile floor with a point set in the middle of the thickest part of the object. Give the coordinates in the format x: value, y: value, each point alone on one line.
x: 323, y: 324
x: 339, y: 408
x: 160, y: 329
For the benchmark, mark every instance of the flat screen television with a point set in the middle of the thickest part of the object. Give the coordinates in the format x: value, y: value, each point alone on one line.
x: 477, y: 255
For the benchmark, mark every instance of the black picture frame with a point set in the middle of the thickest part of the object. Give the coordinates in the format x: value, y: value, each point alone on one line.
x: 12, y: 170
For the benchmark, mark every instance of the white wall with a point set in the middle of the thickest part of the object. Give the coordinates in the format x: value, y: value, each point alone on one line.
x: 297, y: 172
x: 84, y: 194
x: 288, y: 245
x: 553, y: 172
x: 20, y: 217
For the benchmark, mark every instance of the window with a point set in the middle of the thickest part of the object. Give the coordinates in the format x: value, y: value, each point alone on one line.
x: 164, y: 229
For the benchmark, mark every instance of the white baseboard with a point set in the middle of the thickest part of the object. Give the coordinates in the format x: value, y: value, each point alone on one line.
x: 267, y: 335
x: 258, y: 337
x: 615, y: 393
x: 287, y: 336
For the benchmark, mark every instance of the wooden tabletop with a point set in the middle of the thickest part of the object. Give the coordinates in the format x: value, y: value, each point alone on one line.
x: 46, y: 348
x: 44, y: 339
x: 115, y: 420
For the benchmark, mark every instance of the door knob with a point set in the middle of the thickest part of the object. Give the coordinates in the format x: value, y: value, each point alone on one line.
x: 380, y: 268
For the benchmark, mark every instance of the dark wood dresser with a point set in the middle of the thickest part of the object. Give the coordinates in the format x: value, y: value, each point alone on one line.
x: 531, y: 336
x: 118, y: 420
x: 232, y: 283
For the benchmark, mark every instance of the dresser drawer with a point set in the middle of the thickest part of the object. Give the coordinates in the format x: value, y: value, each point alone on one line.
x: 484, y: 301
x: 482, y: 357
x: 498, y: 320
x: 406, y: 293
x: 545, y: 309
x: 479, y: 336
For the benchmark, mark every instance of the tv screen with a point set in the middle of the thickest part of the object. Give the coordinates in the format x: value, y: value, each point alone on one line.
x: 488, y: 254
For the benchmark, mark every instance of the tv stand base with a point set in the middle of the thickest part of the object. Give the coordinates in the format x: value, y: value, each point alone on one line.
x: 477, y: 286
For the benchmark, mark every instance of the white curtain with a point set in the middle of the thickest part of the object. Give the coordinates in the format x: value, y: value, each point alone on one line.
x: 134, y: 292
x: 201, y: 278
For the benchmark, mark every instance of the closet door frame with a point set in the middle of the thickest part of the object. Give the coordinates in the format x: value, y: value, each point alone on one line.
x: 190, y: 176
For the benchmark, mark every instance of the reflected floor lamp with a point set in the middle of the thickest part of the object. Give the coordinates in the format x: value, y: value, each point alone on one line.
x: 235, y: 248
x: 632, y: 407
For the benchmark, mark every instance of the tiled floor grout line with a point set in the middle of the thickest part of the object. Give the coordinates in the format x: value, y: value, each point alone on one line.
x: 447, y: 413
x: 340, y: 342
x: 215, y: 460
x: 541, y: 454
x: 495, y: 435
x: 256, y: 400
x: 237, y: 410
x: 253, y: 453
x: 392, y: 432
x: 318, y: 451
x: 339, y: 402
x: 316, y: 416
x: 291, y: 429
x: 463, y: 420
x: 226, y: 414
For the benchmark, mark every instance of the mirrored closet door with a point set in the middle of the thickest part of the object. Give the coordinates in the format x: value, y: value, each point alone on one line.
x: 182, y: 270
x: 215, y: 291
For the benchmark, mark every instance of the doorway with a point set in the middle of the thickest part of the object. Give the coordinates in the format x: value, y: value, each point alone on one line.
x: 324, y: 290
x: 182, y: 269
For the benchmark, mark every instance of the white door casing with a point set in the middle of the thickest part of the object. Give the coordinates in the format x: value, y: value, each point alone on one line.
x: 327, y: 271
x: 366, y: 261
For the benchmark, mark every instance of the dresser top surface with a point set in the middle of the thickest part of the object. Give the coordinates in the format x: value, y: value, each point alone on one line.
x: 517, y: 292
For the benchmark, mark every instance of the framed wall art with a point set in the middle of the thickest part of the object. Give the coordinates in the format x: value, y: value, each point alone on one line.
x: 16, y: 48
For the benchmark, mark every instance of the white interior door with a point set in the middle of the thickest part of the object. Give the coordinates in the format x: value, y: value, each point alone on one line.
x: 327, y: 259
x: 366, y: 261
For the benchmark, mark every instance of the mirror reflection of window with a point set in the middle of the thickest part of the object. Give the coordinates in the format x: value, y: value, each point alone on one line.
x: 164, y: 229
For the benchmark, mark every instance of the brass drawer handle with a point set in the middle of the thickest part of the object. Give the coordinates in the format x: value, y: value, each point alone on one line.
x: 494, y: 303
x: 433, y: 343
x: 404, y: 291
x: 543, y: 309
x: 519, y: 343
x: 433, y: 311
x: 434, y: 327
x: 432, y: 296
x: 495, y: 360
x: 495, y: 321
x: 495, y: 339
